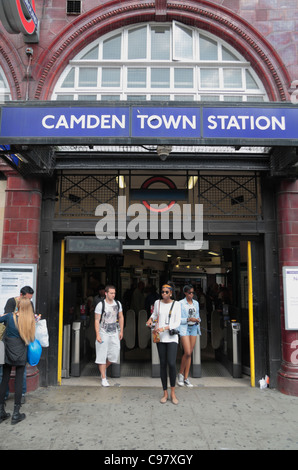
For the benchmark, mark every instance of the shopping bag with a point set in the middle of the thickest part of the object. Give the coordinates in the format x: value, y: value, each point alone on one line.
x: 41, y: 333
x: 34, y: 352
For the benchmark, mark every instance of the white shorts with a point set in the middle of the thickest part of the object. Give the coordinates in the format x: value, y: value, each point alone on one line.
x: 109, y: 349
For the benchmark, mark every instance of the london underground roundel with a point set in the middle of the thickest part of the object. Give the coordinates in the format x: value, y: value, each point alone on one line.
x: 19, y: 16
x: 158, y: 179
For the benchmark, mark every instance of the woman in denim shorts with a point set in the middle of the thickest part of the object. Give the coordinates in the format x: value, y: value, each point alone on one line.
x: 189, y: 329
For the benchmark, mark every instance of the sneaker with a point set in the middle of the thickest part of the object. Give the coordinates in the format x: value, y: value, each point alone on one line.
x: 105, y: 383
x: 187, y: 383
x: 180, y: 380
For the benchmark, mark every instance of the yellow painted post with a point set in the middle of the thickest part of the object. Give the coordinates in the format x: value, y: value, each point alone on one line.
x: 251, y: 317
x: 61, y: 302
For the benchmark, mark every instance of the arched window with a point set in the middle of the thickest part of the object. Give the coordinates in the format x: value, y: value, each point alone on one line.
x: 159, y: 62
x: 5, y: 94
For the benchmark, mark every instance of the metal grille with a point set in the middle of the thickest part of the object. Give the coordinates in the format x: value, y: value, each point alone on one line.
x: 79, y: 195
x: 229, y: 197
x: 73, y: 7
x: 224, y: 196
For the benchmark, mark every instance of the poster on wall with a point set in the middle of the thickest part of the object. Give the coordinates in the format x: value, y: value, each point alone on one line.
x: 290, y: 285
x: 12, y: 278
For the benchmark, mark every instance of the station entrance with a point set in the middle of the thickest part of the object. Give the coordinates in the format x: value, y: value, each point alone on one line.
x: 237, y: 211
x: 218, y: 273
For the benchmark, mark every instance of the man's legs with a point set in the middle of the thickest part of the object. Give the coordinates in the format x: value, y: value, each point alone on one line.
x: 103, y: 369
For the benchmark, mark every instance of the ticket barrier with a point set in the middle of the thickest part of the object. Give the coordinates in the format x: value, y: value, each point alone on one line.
x: 76, y: 350
x: 234, y: 348
x: 65, y: 372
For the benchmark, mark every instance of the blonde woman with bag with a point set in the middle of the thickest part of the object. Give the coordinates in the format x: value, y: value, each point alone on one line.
x: 20, y: 331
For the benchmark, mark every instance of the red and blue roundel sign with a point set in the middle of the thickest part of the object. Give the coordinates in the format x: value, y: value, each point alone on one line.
x: 19, y: 16
x: 158, y: 179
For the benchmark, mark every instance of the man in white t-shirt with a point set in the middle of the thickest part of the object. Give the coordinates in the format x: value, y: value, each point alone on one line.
x: 109, y: 322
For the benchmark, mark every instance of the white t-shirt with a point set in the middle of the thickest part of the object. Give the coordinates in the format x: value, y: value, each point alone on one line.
x: 108, y: 322
x: 163, y: 309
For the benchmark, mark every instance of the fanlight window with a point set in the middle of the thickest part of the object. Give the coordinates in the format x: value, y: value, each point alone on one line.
x: 4, y: 88
x: 159, y: 62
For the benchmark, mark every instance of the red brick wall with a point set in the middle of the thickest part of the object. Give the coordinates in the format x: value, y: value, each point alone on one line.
x: 258, y: 20
x: 21, y: 221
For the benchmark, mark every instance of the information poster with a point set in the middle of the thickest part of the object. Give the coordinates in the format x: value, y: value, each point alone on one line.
x: 12, y: 278
x: 290, y: 284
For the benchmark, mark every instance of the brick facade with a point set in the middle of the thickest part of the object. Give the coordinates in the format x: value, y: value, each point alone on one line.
x: 264, y: 31
x: 21, y: 221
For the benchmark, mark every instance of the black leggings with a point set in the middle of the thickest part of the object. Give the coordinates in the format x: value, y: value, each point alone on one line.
x: 167, y: 356
x: 18, y: 383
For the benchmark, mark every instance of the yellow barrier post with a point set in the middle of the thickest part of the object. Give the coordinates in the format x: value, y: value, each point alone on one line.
x: 61, y: 302
x: 251, y: 317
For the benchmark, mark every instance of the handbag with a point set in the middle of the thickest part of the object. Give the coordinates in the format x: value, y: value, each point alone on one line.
x: 155, y: 333
x: 41, y: 333
x: 2, y: 330
x: 34, y: 352
x: 155, y: 336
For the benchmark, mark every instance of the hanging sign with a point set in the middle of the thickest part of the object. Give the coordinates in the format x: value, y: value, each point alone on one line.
x: 19, y: 16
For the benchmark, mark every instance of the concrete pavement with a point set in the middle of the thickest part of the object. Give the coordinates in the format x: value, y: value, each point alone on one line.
x: 218, y: 413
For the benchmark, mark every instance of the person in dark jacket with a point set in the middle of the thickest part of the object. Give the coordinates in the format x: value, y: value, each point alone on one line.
x: 20, y: 331
x: 26, y: 292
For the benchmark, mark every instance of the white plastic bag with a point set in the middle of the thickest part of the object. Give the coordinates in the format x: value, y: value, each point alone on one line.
x: 41, y: 333
x: 2, y: 353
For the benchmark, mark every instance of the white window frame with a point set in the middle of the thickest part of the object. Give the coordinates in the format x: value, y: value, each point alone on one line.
x: 196, y: 93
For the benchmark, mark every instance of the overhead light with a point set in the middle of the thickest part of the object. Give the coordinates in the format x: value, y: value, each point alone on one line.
x: 121, y: 181
x: 192, y: 181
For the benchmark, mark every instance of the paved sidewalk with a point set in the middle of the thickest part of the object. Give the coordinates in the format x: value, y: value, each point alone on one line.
x: 215, y: 414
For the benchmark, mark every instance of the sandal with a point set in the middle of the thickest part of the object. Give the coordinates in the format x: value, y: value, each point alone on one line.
x: 164, y: 400
x: 175, y: 400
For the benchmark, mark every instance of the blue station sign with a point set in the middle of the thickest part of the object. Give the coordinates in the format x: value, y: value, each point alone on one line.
x: 272, y: 124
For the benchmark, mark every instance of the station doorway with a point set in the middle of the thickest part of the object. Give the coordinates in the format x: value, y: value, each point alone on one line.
x: 218, y: 274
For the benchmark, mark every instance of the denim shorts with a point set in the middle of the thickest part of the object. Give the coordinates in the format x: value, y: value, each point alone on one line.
x: 188, y: 330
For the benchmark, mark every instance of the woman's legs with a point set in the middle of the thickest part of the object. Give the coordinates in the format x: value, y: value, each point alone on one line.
x: 19, y: 384
x: 167, y: 357
x: 188, y: 344
x: 4, y: 383
x: 171, y: 357
x: 162, y: 352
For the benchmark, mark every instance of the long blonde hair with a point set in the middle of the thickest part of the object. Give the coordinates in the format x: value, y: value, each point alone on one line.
x: 25, y: 321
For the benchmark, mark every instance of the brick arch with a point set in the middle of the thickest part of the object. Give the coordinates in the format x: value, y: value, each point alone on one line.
x: 11, y: 64
x: 215, y: 19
